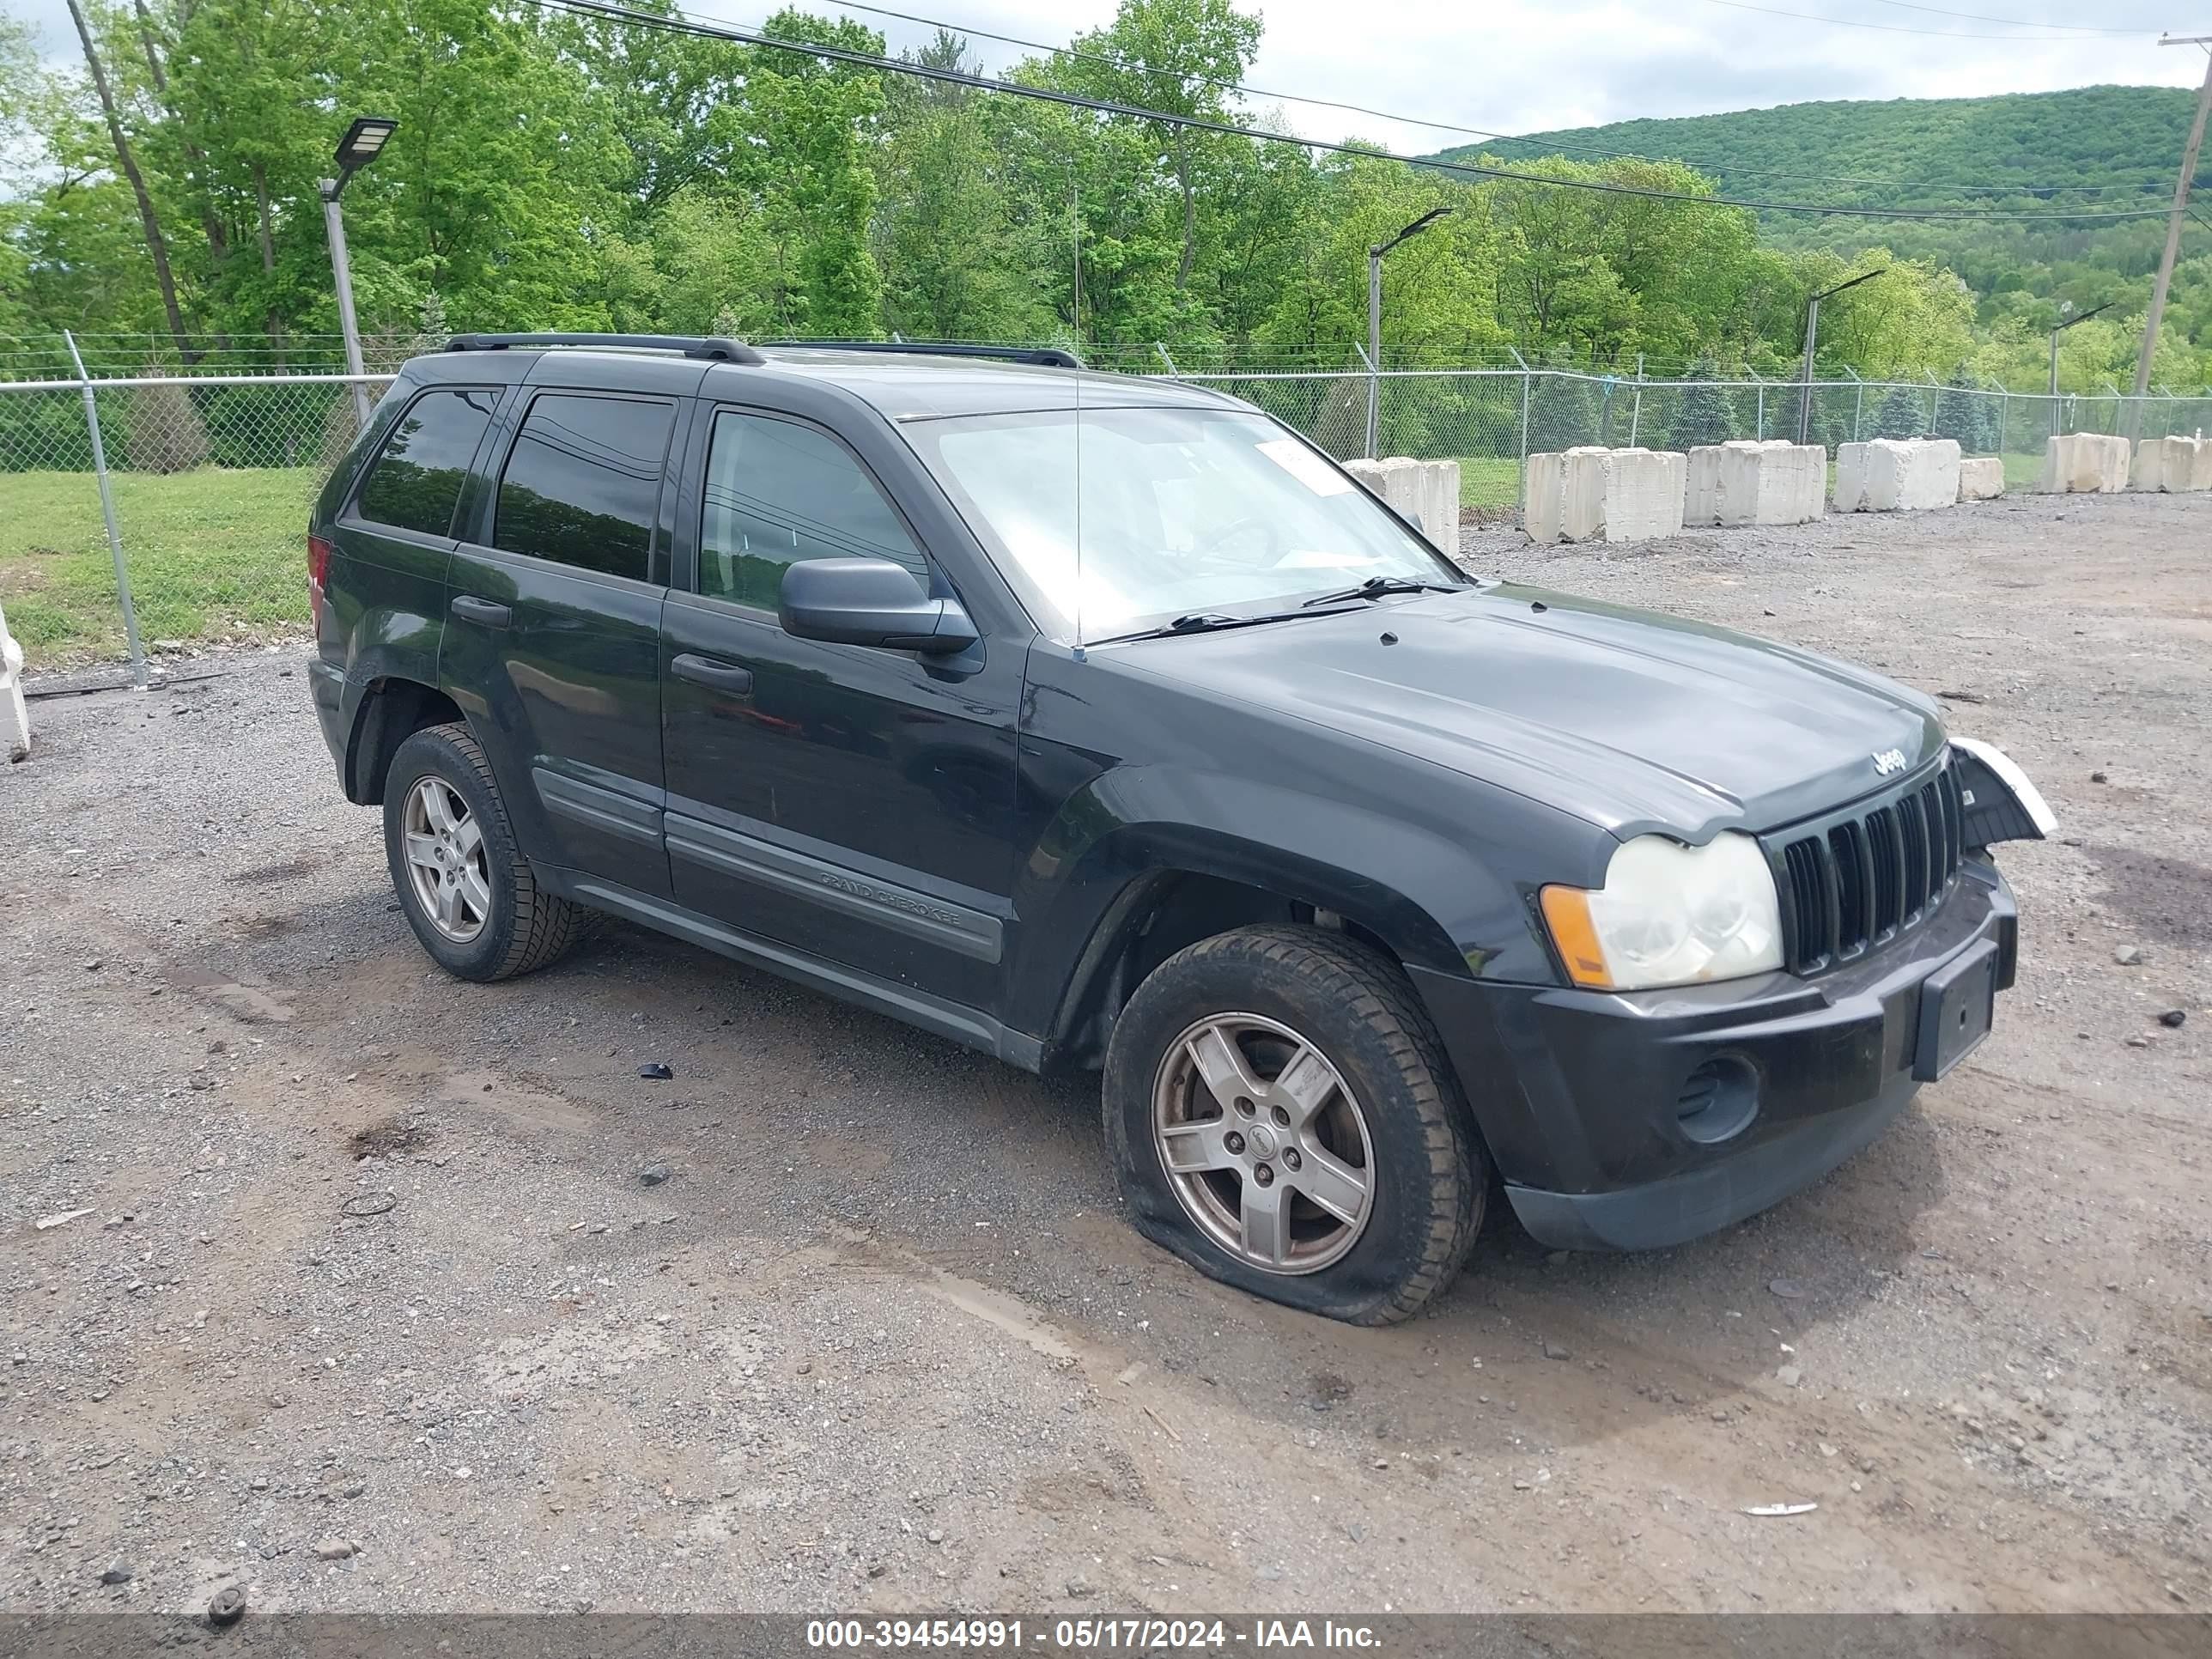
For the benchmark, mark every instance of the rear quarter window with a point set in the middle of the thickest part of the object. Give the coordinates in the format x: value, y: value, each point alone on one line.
x: 415, y: 481
x: 582, y: 486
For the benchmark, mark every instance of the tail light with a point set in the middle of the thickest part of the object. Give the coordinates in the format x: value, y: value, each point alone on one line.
x: 318, y: 576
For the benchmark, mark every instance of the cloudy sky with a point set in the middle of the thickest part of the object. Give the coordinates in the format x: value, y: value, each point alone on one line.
x: 1527, y: 65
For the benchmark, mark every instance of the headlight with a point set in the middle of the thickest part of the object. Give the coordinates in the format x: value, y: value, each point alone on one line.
x: 1670, y: 915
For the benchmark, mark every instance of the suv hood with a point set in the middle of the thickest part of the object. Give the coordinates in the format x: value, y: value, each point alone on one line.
x: 1629, y: 719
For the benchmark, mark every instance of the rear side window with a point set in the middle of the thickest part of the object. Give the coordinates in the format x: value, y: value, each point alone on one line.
x: 415, y: 482
x: 583, y: 485
x: 779, y: 493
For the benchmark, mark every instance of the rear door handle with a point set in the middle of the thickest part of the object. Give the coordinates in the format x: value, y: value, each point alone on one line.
x: 708, y: 671
x: 469, y: 608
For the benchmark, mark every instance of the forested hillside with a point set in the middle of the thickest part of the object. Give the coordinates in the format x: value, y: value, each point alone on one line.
x: 559, y: 170
x: 2089, y: 149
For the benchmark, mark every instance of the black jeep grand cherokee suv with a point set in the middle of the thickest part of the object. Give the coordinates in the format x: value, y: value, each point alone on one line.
x: 1104, y: 722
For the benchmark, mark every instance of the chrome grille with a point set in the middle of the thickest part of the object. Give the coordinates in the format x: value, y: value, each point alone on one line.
x: 1855, y: 879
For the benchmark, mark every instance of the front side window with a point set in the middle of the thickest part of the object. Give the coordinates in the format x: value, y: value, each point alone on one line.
x: 583, y: 485
x: 779, y: 493
x: 1112, y: 521
x: 415, y: 482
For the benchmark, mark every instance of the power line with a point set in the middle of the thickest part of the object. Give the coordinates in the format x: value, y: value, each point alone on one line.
x: 676, y: 22
x: 1114, y: 62
x: 1903, y: 28
x: 2010, y: 22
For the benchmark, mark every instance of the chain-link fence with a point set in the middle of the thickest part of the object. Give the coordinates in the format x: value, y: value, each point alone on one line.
x: 194, y: 530
x: 197, y: 520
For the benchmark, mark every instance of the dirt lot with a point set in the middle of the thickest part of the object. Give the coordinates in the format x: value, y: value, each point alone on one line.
x: 879, y: 1340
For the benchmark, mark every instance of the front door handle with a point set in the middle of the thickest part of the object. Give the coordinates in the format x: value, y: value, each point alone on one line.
x: 469, y: 608
x: 708, y: 671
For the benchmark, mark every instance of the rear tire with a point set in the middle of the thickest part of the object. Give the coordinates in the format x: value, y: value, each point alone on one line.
x: 464, y: 885
x: 1322, y: 1156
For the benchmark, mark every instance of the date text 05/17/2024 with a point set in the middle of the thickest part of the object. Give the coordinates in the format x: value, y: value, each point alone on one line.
x: 1087, y: 1635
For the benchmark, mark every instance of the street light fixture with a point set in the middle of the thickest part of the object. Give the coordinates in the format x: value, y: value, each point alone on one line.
x: 1812, y: 334
x: 363, y: 143
x: 2064, y: 306
x: 1374, y: 311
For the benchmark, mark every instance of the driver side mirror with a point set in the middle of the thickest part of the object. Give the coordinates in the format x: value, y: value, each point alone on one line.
x: 870, y: 602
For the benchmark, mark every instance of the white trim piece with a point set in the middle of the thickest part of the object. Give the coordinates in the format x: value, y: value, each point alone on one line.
x: 2008, y: 774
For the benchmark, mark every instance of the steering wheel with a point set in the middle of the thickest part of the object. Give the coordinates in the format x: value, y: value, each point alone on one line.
x: 1235, y: 527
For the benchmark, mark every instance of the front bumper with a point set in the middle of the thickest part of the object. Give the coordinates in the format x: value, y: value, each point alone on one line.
x: 1584, y: 1096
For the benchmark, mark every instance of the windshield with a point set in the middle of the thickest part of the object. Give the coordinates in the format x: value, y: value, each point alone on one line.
x: 1170, y: 513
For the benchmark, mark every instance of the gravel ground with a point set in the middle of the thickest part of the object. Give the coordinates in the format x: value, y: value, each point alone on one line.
x: 372, y: 1310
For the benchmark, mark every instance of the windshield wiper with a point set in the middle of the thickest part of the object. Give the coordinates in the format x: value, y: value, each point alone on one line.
x: 1205, y: 621
x: 1376, y: 586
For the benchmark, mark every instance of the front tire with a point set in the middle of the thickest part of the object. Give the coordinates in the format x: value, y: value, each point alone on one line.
x: 1279, y: 1114
x: 464, y: 885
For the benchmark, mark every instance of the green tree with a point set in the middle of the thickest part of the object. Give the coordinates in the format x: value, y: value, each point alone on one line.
x: 1172, y: 55
x: 1966, y: 414
x: 1707, y: 412
x: 1903, y: 414
x: 958, y: 264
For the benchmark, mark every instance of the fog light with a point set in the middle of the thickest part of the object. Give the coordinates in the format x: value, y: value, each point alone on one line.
x: 1718, y: 1100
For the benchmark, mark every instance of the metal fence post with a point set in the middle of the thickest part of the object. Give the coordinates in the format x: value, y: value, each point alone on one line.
x: 1164, y: 358
x: 1636, y: 411
x: 1373, y: 388
x: 1858, y: 400
x: 1761, y: 429
x: 107, y: 512
x: 1525, y: 377
x: 2004, y: 418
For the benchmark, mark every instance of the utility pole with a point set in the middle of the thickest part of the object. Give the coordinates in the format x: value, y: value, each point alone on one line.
x: 1812, y: 335
x: 1375, y: 314
x: 2189, y: 155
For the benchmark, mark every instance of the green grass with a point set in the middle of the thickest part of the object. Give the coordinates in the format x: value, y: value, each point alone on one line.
x: 206, y: 549
x: 1484, y: 481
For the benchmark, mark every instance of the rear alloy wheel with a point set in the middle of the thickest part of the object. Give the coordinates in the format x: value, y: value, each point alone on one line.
x: 464, y: 886
x: 1280, y: 1115
x: 446, y: 859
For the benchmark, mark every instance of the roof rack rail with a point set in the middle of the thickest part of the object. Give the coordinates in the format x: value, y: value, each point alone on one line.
x: 1037, y: 356
x: 691, y: 345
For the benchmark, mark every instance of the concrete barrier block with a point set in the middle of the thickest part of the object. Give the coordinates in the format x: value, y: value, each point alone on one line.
x: 2173, y: 463
x: 14, y: 717
x: 1563, y: 495
x: 1981, y: 479
x: 1897, y: 475
x: 1645, y: 490
x: 1426, y: 490
x: 2084, y: 462
x: 1701, y: 499
x: 1619, y: 494
x: 1744, y: 482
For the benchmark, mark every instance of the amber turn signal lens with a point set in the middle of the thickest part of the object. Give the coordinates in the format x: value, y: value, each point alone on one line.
x: 1566, y: 913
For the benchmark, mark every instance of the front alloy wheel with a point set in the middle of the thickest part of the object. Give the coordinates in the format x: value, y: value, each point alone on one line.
x: 1280, y: 1115
x: 1266, y: 1145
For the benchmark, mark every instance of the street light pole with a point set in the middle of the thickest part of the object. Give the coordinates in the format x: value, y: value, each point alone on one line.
x: 2189, y: 154
x: 1812, y: 335
x: 1375, y: 314
x: 342, y: 274
x: 363, y: 142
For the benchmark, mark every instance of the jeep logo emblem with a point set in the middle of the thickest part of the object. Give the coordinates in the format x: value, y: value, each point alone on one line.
x: 1888, y: 761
